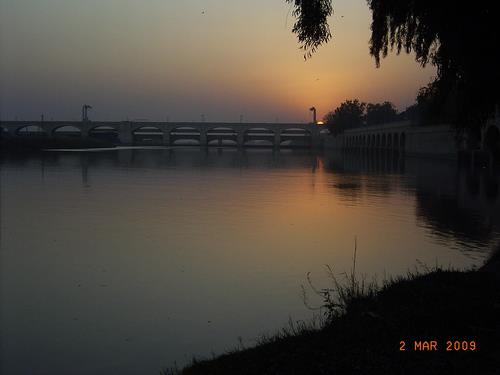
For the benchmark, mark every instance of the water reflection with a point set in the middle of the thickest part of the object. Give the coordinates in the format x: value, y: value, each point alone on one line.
x: 459, y: 202
x: 452, y: 200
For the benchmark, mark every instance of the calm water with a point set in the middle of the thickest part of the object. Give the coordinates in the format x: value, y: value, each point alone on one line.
x: 128, y: 261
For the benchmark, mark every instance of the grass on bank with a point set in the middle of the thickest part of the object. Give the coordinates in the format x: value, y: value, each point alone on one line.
x: 365, y: 326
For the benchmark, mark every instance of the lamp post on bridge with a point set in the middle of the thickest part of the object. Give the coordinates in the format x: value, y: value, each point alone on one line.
x: 85, y: 108
x: 313, y: 109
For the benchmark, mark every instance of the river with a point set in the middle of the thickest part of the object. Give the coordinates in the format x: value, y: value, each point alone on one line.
x: 128, y: 261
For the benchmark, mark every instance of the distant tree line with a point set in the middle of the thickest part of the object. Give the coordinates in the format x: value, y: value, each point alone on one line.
x: 460, y: 38
x: 353, y: 114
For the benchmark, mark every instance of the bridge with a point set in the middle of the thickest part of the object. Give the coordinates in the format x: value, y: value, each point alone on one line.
x: 169, y: 133
x: 404, y: 137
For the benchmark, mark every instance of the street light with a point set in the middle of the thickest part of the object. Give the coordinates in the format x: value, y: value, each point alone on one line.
x: 85, y: 109
x: 313, y: 109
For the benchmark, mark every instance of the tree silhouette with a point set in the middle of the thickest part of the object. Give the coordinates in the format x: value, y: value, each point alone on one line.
x: 350, y: 114
x: 461, y: 39
x: 380, y: 113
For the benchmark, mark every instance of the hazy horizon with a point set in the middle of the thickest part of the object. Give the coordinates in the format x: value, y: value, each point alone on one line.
x: 177, y: 61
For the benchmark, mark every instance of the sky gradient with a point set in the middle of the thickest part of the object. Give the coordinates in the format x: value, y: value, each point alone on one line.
x: 170, y: 60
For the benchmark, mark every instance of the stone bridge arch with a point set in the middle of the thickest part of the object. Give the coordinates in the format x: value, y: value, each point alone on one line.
x: 221, y: 135
x: 260, y: 136
x: 100, y: 127
x: 187, y: 133
x: 146, y: 127
x: 491, y: 142
x: 402, y: 142
x: 148, y: 134
x: 4, y: 132
x: 395, y: 141
x: 295, y: 137
x: 30, y: 129
x: 66, y: 130
x: 107, y: 133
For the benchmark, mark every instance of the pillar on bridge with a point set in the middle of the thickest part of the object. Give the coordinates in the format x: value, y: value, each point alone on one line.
x: 240, y: 138
x: 203, y: 137
x: 166, y: 137
x: 84, y: 129
x: 48, y: 129
x: 277, y: 138
x: 125, y: 133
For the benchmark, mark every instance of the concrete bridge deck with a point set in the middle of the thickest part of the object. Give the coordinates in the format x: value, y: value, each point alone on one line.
x: 169, y: 132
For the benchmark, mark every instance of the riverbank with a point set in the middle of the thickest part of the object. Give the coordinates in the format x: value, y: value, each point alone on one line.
x: 442, y: 322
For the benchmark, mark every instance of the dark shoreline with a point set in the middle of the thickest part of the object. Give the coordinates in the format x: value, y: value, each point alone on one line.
x: 447, y: 321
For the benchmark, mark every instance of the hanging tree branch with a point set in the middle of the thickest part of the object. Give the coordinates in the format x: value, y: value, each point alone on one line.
x: 311, y: 24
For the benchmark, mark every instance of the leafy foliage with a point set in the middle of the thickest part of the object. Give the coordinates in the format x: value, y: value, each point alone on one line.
x: 461, y: 39
x: 353, y: 113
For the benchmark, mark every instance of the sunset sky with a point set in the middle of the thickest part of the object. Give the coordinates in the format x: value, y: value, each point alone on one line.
x: 176, y: 60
